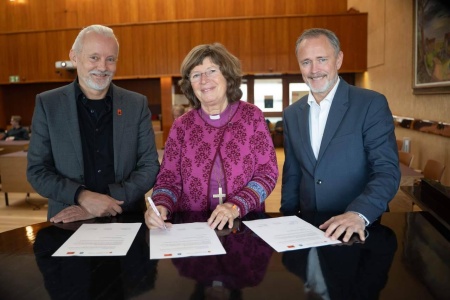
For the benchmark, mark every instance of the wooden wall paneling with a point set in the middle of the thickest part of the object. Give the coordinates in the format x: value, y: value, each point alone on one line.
x: 25, y: 58
x: 283, y: 45
x: 146, y: 43
x: 3, y: 112
x: 150, y: 87
x: 243, y: 38
x: 229, y: 33
x: 173, y: 54
x: 130, y: 51
x: 161, y: 50
x: 57, y: 47
x: 190, y: 35
x: 65, y: 14
x: 294, y: 29
x: 57, y: 15
x: 32, y: 56
x: 224, y: 32
x: 353, y: 42
x: 356, y: 56
x: 38, y: 63
x: 268, y: 32
x: 11, y: 58
x: 261, y: 42
x: 4, y: 62
x: 257, y: 45
x: 166, y: 105
x: 18, y: 99
x: 151, y: 10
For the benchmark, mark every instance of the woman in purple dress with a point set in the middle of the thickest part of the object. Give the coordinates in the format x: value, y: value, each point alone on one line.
x: 219, y: 157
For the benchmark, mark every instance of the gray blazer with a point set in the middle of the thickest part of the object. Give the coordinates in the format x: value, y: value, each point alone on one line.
x: 357, y: 167
x: 55, y: 158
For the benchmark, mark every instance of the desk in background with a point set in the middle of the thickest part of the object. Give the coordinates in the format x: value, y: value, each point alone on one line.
x: 394, y: 262
x: 13, y: 146
x: 433, y: 197
x: 13, y: 170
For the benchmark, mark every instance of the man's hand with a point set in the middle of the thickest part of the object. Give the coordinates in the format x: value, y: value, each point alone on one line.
x: 348, y: 222
x: 71, y: 214
x: 99, y: 205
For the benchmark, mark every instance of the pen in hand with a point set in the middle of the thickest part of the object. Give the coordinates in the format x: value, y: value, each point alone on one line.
x: 156, y: 210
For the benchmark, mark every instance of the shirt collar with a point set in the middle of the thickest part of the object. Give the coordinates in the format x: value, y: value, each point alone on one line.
x: 80, y: 95
x: 329, y: 97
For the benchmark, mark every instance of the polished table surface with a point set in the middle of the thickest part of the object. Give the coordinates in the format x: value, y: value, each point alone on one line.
x: 405, y: 257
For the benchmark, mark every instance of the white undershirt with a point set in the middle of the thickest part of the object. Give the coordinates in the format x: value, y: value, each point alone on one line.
x: 318, y: 115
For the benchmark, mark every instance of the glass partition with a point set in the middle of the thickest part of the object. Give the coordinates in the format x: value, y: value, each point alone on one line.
x: 269, y: 94
x: 296, y: 91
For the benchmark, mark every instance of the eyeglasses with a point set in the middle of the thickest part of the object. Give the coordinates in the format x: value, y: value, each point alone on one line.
x: 210, y: 73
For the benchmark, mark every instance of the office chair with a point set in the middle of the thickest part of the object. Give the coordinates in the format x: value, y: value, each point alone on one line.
x: 433, y: 170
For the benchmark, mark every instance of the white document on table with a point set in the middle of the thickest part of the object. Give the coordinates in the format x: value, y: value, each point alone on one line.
x: 183, y: 240
x: 111, y: 239
x: 289, y: 233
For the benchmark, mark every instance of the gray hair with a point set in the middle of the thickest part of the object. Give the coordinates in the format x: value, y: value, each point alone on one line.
x: 316, y: 32
x: 100, y: 29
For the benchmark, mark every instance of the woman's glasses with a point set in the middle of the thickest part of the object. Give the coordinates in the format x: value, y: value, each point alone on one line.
x: 210, y: 73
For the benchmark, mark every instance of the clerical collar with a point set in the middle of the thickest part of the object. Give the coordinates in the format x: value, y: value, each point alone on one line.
x: 217, y: 116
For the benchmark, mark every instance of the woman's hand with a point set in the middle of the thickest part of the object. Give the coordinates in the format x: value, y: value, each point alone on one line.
x: 153, y: 220
x: 223, y: 214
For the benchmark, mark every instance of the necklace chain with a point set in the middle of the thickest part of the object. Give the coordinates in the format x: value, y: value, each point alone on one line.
x: 219, y: 173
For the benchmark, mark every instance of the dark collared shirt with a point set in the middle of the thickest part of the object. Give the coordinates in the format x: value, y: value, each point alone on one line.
x: 96, y: 128
x: 19, y: 134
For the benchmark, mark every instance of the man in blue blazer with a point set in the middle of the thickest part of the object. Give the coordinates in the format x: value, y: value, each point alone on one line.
x: 339, y: 143
x: 92, y: 152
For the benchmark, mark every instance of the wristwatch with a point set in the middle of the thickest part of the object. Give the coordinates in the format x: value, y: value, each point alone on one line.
x: 366, y: 222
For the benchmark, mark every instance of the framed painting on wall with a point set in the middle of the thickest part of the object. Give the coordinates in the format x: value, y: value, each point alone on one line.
x: 431, y: 47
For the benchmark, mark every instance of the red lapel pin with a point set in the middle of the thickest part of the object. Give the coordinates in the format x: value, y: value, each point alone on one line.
x: 119, y: 112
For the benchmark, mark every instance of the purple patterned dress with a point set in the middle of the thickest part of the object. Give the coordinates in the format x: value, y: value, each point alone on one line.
x: 241, y: 146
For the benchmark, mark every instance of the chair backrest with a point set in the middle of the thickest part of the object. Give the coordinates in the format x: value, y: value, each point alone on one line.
x: 433, y: 170
x: 405, y: 158
x: 279, y: 126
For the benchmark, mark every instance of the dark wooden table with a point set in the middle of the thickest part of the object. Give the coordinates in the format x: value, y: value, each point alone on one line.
x: 405, y: 257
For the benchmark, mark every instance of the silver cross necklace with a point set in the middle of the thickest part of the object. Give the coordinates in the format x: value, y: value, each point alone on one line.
x: 218, y: 172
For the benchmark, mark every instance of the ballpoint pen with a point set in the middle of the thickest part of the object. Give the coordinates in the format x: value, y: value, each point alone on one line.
x: 156, y: 210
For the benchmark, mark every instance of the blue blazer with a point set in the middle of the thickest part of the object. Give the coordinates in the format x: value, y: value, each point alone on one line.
x: 55, y: 157
x: 357, y: 168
